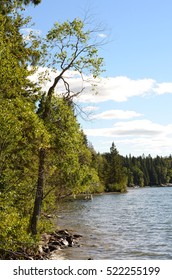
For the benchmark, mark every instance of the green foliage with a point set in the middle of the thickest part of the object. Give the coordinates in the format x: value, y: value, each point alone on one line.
x: 27, y: 2
x: 115, y: 177
x: 13, y: 229
x: 21, y: 135
x: 117, y: 187
x: 68, y: 166
x: 66, y: 47
x: 8, y: 6
x: 15, y: 56
x: 22, y: 132
x: 148, y: 171
x: 68, y: 160
x: 69, y: 46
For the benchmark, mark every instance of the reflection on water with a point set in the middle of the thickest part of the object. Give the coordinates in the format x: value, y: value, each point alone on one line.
x: 135, y: 225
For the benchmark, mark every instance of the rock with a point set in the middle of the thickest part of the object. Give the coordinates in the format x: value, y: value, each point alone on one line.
x: 70, y: 240
x: 77, y: 235
x: 59, y: 239
x: 63, y: 232
x: 48, y: 216
x: 52, y: 247
x: 46, y: 249
x: 45, y: 237
x: 65, y: 242
x: 56, y: 243
x: 40, y: 249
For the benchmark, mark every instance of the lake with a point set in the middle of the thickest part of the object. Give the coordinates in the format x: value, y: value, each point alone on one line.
x: 135, y: 225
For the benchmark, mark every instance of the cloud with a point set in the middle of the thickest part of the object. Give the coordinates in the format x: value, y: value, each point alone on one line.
x: 135, y: 137
x: 29, y: 32
x: 90, y: 108
x: 133, y: 128
x: 45, y: 77
x: 102, y: 35
x: 121, y: 88
x: 163, y: 88
x: 116, y: 114
x: 117, y: 89
x: 137, y: 146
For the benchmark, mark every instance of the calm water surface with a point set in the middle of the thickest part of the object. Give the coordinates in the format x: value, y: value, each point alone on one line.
x: 135, y: 225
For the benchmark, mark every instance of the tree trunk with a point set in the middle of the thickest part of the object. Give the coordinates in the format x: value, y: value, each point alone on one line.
x: 39, y: 193
x: 40, y: 183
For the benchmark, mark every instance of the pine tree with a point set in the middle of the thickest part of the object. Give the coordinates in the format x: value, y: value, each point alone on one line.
x: 116, y: 175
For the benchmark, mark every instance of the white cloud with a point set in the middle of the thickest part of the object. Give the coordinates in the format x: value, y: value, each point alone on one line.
x: 116, y: 114
x: 29, y: 32
x: 135, y: 137
x: 133, y: 128
x: 46, y: 76
x: 161, y: 145
x: 102, y: 35
x: 90, y: 108
x: 118, y: 89
x: 163, y: 88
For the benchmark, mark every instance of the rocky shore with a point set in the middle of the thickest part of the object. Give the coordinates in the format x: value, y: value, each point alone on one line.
x: 48, y: 247
x: 58, y: 240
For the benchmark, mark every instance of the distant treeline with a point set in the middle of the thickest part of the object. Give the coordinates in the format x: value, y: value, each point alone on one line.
x: 148, y: 171
x: 117, y: 172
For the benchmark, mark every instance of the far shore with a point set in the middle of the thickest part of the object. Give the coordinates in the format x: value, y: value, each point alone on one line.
x: 89, y: 196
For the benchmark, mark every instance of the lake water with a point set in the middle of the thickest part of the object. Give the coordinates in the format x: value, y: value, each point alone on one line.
x: 135, y: 225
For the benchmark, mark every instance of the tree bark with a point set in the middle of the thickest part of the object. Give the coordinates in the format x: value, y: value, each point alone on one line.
x: 39, y: 193
x: 41, y: 170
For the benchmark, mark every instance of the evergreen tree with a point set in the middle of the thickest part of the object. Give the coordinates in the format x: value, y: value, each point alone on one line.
x: 21, y: 134
x: 116, y: 178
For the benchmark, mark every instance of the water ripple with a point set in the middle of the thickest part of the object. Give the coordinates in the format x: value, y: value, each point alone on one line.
x: 136, y: 225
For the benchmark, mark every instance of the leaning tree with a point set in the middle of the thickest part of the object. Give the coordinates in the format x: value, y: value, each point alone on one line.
x: 69, y: 48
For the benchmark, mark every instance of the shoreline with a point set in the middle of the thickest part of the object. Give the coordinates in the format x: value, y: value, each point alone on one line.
x: 52, y: 245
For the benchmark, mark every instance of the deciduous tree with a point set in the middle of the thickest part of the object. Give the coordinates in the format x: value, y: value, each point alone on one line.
x: 68, y: 47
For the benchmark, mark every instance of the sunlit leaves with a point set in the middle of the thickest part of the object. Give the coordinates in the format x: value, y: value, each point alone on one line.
x: 15, y: 56
x: 21, y: 135
x: 69, y: 46
x: 33, y: 120
x: 68, y: 162
x: 7, y: 6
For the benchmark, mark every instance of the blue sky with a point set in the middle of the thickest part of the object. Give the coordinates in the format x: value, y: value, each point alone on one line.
x: 133, y: 107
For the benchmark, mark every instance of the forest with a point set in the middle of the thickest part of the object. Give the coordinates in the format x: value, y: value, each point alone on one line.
x: 117, y: 172
x: 44, y: 154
